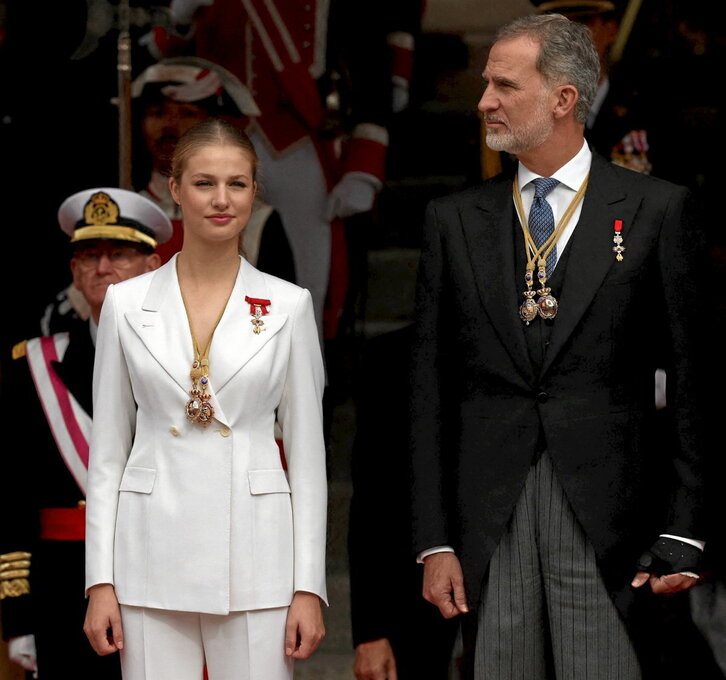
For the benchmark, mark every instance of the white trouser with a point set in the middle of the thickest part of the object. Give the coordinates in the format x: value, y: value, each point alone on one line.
x: 170, y: 645
x: 295, y: 185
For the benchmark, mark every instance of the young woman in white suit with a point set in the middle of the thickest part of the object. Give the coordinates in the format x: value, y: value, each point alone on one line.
x: 205, y: 539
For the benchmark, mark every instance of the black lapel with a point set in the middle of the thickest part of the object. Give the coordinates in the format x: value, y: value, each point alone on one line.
x: 76, y: 368
x: 591, y: 255
x: 487, y: 223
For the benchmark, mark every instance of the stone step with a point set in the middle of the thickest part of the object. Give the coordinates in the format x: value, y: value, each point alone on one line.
x: 325, y: 666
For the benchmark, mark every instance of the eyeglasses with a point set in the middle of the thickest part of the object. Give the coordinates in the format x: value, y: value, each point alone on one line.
x: 120, y: 257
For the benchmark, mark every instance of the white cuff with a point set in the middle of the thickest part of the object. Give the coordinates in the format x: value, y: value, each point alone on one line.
x: 430, y: 551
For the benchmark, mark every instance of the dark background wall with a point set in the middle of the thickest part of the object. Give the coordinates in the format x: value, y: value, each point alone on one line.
x: 59, y: 126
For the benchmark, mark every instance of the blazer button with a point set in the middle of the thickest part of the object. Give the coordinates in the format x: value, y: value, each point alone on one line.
x: 225, y: 431
x: 174, y: 430
x: 542, y: 397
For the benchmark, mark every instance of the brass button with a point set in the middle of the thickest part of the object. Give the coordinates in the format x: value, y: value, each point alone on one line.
x: 81, y: 504
x: 225, y: 431
x: 174, y: 430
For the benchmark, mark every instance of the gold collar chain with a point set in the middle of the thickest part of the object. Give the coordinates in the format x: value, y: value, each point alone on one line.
x: 547, y: 305
x: 198, y: 409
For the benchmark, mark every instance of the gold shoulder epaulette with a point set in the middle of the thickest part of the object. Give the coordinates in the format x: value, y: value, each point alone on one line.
x: 14, y: 572
x: 19, y: 349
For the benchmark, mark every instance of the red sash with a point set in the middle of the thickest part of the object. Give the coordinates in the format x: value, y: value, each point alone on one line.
x: 69, y: 423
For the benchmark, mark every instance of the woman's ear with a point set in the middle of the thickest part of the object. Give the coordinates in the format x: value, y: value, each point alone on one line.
x: 174, y: 189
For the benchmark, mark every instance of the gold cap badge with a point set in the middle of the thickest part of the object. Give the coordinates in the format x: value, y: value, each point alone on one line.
x: 100, y: 210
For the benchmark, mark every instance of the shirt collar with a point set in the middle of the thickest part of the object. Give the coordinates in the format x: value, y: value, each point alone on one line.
x: 571, y: 174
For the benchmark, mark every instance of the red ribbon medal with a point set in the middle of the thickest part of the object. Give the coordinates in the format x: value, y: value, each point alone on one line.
x: 258, y: 308
x: 618, y: 240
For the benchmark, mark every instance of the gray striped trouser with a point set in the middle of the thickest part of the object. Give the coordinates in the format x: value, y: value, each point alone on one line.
x: 544, y: 606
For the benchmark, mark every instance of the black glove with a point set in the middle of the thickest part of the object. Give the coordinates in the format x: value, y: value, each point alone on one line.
x: 670, y: 556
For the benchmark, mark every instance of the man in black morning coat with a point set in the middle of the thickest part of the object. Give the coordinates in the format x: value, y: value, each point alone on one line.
x: 542, y: 508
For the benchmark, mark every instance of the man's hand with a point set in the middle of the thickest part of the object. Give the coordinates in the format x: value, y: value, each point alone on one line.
x: 304, y: 630
x: 669, y: 583
x: 669, y: 565
x: 443, y: 584
x: 374, y: 660
x: 103, y: 620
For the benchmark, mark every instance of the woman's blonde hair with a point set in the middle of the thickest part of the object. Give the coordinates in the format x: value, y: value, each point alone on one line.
x: 210, y: 132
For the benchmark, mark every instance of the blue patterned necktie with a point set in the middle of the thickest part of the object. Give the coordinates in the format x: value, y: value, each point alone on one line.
x: 541, y: 220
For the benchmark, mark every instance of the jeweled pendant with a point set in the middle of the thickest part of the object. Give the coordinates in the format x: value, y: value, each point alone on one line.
x: 547, y: 305
x: 198, y: 409
x: 528, y: 309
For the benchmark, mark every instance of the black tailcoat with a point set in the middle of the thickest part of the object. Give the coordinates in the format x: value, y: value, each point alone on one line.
x: 482, y: 409
x: 383, y: 571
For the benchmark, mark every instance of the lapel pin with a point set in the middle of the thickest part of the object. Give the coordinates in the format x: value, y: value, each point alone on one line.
x: 618, y: 248
x: 258, y: 308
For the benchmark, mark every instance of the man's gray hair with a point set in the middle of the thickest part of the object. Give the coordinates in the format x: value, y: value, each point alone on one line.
x: 567, y: 54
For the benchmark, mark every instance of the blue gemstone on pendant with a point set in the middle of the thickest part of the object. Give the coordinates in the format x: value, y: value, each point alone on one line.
x: 204, y: 381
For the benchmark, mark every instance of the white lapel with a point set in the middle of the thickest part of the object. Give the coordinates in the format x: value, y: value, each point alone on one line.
x: 166, y: 335
x: 168, y: 338
x: 235, y: 342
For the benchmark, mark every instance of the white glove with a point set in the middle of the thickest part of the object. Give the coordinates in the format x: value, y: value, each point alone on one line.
x: 353, y: 194
x: 182, y: 11
x: 400, y: 94
x: 21, y: 650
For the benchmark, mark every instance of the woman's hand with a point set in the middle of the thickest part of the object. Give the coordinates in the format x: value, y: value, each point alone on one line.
x: 103, y: 620
x: 305, y: 629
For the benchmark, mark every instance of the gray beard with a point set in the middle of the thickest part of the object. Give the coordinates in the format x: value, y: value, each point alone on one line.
x: 526, y: 139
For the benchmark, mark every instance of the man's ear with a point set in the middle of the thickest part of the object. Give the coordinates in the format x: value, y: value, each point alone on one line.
x: 74, y: 271
x: 567, y: 96
x: 153, y: 261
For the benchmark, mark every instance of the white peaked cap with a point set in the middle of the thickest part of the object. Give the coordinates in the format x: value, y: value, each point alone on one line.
x: 113, y: 213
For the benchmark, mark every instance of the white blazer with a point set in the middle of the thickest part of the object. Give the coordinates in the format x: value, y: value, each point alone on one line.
x: 188, y: 518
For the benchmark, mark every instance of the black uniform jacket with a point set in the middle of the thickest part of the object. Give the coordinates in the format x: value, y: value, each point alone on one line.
x: 35, y: 477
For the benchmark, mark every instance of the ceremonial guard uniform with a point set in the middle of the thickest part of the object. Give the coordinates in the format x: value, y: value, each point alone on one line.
x: 47, y: 388
x: 321, y: 74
